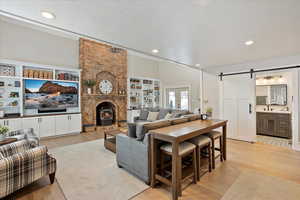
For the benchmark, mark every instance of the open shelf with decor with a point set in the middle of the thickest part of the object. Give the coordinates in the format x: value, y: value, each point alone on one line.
x: 144, y: 92
x: 37, y: 73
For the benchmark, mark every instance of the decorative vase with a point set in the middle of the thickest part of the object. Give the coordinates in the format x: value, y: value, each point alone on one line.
x: 89, y: 91
x: 2, y: 137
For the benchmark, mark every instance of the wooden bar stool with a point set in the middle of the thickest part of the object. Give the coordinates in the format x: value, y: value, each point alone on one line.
x: 203, y: 143
x: 184, y: 149
x: 215, y: 135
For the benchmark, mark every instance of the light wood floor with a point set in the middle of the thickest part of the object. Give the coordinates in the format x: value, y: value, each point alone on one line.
x: 260, y: 158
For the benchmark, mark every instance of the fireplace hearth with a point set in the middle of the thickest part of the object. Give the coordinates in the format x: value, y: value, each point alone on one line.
x: 105, y: 114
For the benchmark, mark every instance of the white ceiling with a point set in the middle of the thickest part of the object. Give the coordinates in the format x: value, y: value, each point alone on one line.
x: 209, y: 32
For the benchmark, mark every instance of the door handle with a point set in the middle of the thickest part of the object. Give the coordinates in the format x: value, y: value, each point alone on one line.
x: 250, y: 108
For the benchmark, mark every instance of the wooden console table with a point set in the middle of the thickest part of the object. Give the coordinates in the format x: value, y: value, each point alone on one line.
x: 176, y: 134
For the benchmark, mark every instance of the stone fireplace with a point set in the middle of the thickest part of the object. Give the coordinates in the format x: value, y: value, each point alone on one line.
x: 102, y: 64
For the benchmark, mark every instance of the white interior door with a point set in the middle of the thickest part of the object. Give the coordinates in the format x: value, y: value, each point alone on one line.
x: 238, y: 106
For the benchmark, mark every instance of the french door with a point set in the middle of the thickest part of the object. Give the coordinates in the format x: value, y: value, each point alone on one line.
x: 238, y: 106
x: 178, y: 98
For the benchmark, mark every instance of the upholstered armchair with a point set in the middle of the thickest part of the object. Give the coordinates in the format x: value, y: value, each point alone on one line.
x: 20, y: 165
x: 25, y: 134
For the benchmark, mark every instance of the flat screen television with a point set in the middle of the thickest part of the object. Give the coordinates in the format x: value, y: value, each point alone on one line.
x: 47, y: 95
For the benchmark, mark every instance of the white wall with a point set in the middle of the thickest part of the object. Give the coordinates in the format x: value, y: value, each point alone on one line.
x: 27, y: 44
x: 210, y: 93
x: 170, y: 75
x: 142, y: 67
x: 173, y: 75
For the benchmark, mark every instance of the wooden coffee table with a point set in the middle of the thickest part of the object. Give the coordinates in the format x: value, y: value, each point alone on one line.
x: 7, y: 141
x: 110, y: 139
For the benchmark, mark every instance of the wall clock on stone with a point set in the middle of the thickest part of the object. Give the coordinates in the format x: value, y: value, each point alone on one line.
x: 105, y: 87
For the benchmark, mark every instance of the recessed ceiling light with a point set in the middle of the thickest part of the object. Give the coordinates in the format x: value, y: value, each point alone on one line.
x: 249, y: 42
x: 155, y: 51
x: 197, y: 65
x: 48, y: 15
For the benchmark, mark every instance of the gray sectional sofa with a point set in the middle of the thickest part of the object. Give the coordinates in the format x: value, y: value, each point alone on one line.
x: 162, y: 112
x: 133, y: 149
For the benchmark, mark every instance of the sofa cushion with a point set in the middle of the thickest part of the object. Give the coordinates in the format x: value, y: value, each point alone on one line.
x: 163, y: 112
x: 178, y: 120
x: 144, y: 127
x: 144, y: 114
x: 179, y: 113
x: 192, y: 117
x: 140, y: 130
x: 152, y: 116
x: 157, y: 124
x: 156, y: 109
x: 131, y: 130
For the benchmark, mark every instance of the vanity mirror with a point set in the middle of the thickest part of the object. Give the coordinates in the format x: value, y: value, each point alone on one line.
x: 271, y: 95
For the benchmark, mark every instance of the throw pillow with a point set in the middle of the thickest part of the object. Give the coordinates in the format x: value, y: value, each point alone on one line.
x: 144, y: 114
x: 169, y: 116
x: 152, y: 116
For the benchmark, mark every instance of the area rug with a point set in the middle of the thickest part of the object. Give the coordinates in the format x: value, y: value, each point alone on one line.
x: 254, y: 186
x: 89, y: 171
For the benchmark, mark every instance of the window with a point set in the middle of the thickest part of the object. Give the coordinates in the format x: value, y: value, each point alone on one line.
x: 184, y: 100
x: 172, y: 100
x: 177, y: 98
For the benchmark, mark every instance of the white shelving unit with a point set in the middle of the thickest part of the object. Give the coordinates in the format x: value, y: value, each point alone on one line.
x: 38, y: 121
x: 143, y: 93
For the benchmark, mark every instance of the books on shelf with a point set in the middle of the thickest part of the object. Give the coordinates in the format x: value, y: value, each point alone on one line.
x: 143, y: 93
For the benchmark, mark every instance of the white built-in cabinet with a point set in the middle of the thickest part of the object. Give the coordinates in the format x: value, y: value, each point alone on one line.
x: 13, y: 124
x: 47, y: 126
x: 65, y: 124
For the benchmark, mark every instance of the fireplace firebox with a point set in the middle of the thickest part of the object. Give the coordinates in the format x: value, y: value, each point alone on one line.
x: 105, y: 114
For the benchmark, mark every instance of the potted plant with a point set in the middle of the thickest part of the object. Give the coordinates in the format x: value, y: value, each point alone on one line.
x: 209, y: 111
x: 3, y: 131
x: 90, y: 84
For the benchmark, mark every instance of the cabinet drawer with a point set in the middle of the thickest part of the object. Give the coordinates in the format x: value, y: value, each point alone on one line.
x: 283, y: 124
x: 283, y: 117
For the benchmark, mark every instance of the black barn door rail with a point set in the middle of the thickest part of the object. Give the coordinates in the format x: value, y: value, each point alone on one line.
x: 252, y: 71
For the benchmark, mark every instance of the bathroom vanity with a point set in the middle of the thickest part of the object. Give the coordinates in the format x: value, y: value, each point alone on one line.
x: 274, y: 123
